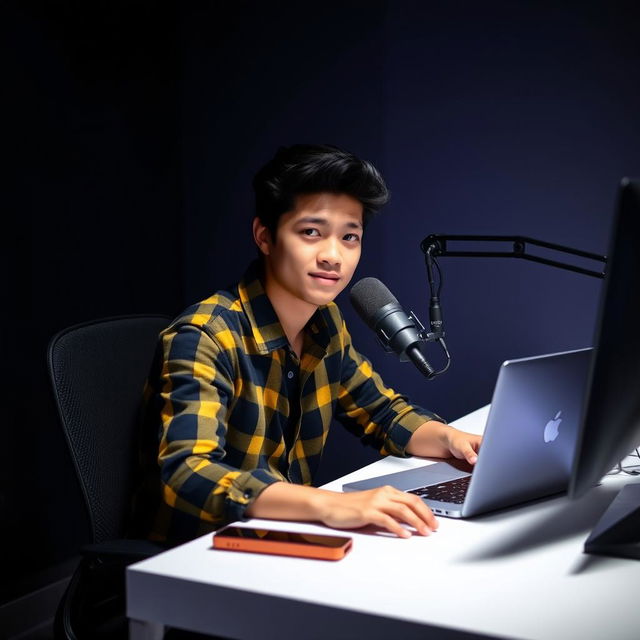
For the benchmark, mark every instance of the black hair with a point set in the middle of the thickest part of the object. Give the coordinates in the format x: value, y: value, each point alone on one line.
x: 314, y: 168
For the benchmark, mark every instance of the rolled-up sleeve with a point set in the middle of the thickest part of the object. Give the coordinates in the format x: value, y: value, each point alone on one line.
x: 195, y: 391
x: 375, y: 413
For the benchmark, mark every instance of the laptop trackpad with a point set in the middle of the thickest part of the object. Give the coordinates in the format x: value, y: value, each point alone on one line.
x: 414, y: 478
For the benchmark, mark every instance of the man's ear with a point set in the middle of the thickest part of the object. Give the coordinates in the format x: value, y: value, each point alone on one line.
x: 262, y: 237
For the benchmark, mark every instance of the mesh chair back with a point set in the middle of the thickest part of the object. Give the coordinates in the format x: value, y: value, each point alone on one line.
x: 98, y: 370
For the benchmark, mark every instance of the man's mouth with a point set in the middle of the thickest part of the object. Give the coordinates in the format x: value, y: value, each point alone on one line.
x: 329, y: 278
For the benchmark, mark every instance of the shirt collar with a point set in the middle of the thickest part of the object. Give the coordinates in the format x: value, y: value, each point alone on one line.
x: 265, y: 325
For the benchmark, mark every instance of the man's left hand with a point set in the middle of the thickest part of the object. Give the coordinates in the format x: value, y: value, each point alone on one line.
x: 437, y: 440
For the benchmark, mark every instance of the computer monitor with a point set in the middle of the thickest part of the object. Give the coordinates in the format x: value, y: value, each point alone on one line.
x: 610, y: 427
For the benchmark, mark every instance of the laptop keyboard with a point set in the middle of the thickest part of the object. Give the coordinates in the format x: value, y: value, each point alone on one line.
x: 452, y: 491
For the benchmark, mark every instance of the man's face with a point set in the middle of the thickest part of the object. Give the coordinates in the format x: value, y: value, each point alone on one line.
x: 316, y: 251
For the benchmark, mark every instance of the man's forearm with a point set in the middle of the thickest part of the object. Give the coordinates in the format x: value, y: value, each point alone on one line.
x: 284, y: 501
x: 430, y: 440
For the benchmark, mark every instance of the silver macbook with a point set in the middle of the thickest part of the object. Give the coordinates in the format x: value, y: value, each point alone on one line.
x: 528, y: 444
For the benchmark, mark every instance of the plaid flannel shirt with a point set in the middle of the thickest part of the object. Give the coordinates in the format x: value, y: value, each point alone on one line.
x: 219, y: 394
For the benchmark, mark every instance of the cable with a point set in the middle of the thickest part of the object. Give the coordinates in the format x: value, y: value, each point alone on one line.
x: 439, y: 275
x: 629, y: 469
x: 434, y: 295
x: 632, y: 469
x: 446, y: 351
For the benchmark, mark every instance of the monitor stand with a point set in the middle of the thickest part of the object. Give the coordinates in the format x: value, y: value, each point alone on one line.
x: 617, y: 533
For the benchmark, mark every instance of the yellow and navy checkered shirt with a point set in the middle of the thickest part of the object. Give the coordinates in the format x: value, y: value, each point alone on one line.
x: 236, y: 410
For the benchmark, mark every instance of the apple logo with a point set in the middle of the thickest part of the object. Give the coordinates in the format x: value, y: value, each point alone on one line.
x: 552, y: 429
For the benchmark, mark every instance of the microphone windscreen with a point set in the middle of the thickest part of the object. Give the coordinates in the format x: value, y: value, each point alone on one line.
x: 368, y: 296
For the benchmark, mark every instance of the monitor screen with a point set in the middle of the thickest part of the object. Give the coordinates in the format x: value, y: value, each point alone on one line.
x: 611, y: 413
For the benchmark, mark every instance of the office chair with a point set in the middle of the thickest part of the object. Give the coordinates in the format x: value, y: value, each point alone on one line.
x: 97, y: 371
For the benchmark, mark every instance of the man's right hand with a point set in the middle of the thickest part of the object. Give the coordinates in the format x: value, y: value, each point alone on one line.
x: 384, y: 507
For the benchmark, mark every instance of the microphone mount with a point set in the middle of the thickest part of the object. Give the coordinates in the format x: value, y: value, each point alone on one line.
x: 436, y: 245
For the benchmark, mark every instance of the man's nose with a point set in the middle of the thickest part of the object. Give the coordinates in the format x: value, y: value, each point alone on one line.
x: 330, y: 252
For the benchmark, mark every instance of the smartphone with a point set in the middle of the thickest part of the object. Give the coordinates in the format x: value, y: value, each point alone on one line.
x: 285, y: 543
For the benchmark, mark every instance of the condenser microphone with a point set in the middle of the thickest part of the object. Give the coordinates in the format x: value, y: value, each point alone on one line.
x: 382, y: 313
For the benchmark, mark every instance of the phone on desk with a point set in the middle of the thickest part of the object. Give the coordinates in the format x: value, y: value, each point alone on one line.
x: 285, y: 543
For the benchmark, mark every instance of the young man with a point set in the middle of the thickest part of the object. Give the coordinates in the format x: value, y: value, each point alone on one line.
x: 246, y: 383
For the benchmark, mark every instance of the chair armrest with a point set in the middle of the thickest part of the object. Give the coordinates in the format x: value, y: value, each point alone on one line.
x: 122, y: 551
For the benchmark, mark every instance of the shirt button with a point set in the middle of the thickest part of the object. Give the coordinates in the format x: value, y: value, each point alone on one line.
x: 290, y: 375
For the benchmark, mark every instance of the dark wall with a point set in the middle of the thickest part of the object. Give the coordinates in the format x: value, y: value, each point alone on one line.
x: 90, y: 132
x: 134, y: 130
x: 257, y: 76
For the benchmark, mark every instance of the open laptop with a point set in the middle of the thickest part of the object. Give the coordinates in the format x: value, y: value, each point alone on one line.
x: 528, y: 444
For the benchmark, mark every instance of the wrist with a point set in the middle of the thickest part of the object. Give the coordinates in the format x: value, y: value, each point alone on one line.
x: 319, y: 503
x: 430, y: 439
x: 443, y: 433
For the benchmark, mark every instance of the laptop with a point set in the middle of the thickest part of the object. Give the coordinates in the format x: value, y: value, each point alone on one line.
x: 528, y: 444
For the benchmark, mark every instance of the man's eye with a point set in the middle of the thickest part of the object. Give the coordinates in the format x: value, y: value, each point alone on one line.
x: 352, y: 237
x: 310, y: 232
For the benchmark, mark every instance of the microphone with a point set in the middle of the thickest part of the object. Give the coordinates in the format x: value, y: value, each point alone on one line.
x: 382, y: 313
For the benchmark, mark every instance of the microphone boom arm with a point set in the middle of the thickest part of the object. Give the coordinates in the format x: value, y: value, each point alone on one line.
x: 435, y: 245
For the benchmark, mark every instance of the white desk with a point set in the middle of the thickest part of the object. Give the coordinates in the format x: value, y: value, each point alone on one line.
x: 518, y: 573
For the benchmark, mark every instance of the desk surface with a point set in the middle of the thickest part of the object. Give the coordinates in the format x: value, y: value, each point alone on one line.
x: 518, y: 573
